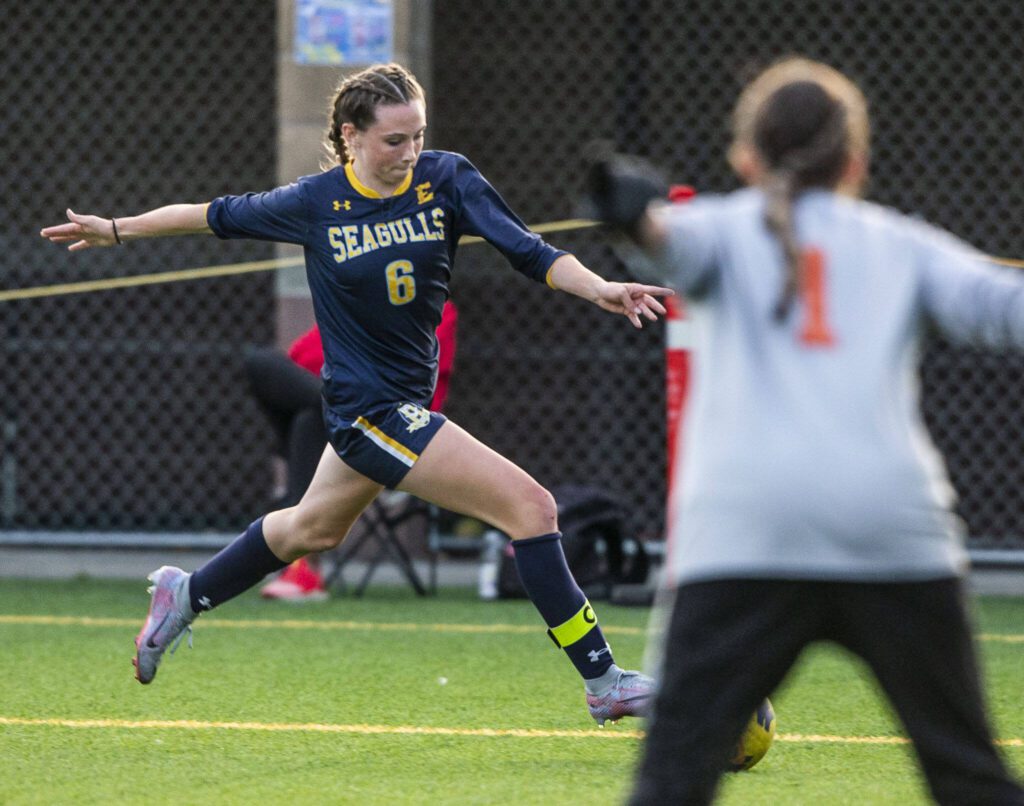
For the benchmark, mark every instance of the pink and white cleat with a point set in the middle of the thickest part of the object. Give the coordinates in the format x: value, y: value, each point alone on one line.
x: 632, y: 695
x: 170, y: 617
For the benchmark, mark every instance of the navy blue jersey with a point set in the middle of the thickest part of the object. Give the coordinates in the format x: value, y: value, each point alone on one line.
x: 379, y: 268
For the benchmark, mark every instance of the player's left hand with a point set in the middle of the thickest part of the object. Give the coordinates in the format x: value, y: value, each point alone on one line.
x: 633, y: 300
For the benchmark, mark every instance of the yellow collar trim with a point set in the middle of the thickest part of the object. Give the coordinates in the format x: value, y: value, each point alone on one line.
x: 370, y: 193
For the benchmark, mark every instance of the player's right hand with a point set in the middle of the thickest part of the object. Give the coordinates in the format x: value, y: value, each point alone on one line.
x: 618, y: 189
x: 81, y: 231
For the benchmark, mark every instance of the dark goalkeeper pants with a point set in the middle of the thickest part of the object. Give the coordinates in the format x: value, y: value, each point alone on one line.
x: 730, y: 643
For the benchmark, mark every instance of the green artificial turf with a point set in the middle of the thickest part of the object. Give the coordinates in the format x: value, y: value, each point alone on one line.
x: 306, y: 704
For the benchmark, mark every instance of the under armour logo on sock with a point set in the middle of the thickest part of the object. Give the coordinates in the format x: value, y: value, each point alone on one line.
x: 595, y: 655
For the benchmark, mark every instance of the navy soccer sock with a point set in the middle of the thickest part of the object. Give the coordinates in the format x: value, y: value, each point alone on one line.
x: 236, y: 568
x: 569, y: 616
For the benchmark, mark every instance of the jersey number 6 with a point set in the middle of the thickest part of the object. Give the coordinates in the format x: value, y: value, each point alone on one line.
x: 401, y: 283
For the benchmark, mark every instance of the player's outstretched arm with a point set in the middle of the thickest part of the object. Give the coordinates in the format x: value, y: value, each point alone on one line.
x: 632, y: 300
x: 84, y: 231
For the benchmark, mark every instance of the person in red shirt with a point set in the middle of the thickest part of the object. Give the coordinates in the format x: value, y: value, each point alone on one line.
x: 288, y: 390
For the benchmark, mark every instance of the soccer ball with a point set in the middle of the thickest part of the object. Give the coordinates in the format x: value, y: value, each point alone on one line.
x: 756, y: 739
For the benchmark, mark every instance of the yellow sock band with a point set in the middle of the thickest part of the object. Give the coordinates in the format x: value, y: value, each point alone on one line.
x: 571, y: 631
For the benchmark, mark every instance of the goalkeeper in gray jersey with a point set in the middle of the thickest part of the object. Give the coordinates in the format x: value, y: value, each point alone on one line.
x: 811, y: 504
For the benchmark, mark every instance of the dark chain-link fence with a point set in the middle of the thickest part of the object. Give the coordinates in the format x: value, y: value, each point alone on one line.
x: 574, y: 395
x: 127, y: 409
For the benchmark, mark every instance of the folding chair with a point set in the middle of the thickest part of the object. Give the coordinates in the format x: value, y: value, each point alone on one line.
x: 441, y: 542
x: 380, y: 523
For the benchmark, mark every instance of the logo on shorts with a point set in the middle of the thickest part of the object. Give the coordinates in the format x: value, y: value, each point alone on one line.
x: 415, y: 416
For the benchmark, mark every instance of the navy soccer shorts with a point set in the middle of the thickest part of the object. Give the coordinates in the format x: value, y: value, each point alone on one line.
x: 384, y: 442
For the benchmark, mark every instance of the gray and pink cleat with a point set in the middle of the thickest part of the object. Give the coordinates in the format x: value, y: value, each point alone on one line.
x: 632, y: 695
x: 170, y: 617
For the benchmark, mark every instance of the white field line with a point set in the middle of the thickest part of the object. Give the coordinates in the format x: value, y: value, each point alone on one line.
x: 417, y: 730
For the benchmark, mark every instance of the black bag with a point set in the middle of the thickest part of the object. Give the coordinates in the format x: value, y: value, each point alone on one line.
x: 593, y: 539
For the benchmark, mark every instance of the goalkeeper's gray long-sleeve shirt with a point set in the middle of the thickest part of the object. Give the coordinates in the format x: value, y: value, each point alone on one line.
x: 803, y: 453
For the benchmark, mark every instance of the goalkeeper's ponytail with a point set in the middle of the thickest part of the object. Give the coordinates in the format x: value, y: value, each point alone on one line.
x: 804, y: 121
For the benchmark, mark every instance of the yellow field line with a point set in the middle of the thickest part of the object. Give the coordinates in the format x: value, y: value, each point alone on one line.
x: 813, y: 738
x: 420, y: 730
x: 801, y: 738
x: 314, y: 727
x: 1004, y: 639
x: 296, y: 624
x: 205, y: 272
x: 369, y: 626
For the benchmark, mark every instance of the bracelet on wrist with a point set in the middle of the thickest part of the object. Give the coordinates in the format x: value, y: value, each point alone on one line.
x: 117, y: 237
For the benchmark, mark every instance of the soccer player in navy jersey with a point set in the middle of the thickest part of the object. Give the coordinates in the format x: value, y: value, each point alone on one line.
x: 380, y: 230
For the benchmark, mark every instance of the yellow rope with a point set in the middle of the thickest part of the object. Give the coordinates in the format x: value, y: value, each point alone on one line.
x: 231, y: 269
x: 149, y: 279
x: 1008, y: 261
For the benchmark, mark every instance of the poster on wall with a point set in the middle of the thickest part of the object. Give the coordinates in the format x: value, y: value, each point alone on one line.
x: 333, y: 32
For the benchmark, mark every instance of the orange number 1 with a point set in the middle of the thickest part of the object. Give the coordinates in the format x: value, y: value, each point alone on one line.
x: 815, y: 331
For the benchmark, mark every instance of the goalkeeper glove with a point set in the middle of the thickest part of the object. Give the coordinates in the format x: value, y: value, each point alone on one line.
x: 618, y: 189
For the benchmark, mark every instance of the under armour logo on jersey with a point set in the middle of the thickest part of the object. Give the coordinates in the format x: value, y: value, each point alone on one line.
x: 337, y: 205
x: 424, y: 193
x: 415, y: 416
x: 595, y: 654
